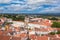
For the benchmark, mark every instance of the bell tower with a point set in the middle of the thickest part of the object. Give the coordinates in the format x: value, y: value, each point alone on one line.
x: 26, y: 21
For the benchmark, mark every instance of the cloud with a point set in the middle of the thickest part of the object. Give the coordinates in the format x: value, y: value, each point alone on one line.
x: 1, y: 8
x: 5, y: 1
x: 34, y: 1
x: 52, y: 10
x: 31, y: 6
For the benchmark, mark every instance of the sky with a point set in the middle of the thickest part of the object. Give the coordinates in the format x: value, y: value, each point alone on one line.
x: 30, y: 6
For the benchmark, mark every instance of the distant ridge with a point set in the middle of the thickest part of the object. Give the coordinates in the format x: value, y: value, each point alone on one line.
x: 45, y: 14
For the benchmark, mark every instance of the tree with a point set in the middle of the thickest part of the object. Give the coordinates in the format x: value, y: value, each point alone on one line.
x: 20, y: 18
x: 52, y: 33
x: 53, y: 18
x: 58, y: 32
x: 56, y: 24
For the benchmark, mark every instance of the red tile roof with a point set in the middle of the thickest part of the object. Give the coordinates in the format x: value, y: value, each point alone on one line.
x: 42, y: 38
x: 58, y: 29
x: 34, y: 37
x: 1, y: 32
x: 58, y: 35
x: 55, y: 38
x: 42, y: 23
x: 44, y: 29
x: 23, y: 35
x: 4, y: 37
x: 16, y: 38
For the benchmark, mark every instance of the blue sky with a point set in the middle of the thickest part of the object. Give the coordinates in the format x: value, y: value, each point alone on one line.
x: 29, y: 6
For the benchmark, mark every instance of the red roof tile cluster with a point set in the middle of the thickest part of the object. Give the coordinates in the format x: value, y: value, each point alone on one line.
x: 59, y: 35
x: 1, y: 32
x: 54, y: 37
x: 43, y: 21
x: 34, y: 37
x: 17, y: 29
x: 42, y: 38
x: 58, y: 29
x: 44, y: 29
x: 23, y: 35
x: 16, y: 38
x: 4, y: 37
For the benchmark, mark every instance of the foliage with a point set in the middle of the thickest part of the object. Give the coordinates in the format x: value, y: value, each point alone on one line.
x: 58, y: 32
x: 56, y: 24
x: 15, y: 17
x: 20, y: 18
x: 53, y: 18
x: 52, y: 33
x: 7, y: 23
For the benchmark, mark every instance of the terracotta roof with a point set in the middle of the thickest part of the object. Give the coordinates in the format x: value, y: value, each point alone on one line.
x: 58, y: 35
x: 17, y: 35
x: 44, y: 29
x: 42, y: 23
x: 42, y: 38
x: 16, y: 38
x: 1, y: 37
x: 34, y: 37
x: 17, y: 29
x: 55, y: 38
x: 1, y: 32
x: 9, y: 30
x: 51, y: 36
x: 23, y: 35
x: 4, y: 37
x: 58, y: 29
